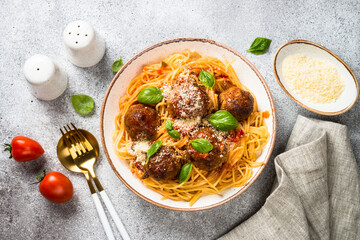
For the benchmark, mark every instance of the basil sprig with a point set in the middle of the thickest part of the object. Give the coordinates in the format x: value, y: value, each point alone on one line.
x: 153, y: 149
x: 169, y: 126
x: 83, y: 104
x: 185, y: 172
x: 117, y: 65
x: 259, y: 46
x: 206, y: 78
x: 223, y: 120
x: 150, y: 95
x: 201, y: 145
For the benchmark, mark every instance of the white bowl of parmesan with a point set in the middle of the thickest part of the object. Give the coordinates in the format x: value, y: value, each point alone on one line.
x: 315, y: 78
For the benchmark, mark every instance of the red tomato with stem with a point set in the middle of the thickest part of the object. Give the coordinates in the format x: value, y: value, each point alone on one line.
x: 55, y: 187
x: 24, y: 149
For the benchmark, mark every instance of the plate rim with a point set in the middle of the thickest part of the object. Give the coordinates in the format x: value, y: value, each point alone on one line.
x: 187, y: 39
x: 302, y: 41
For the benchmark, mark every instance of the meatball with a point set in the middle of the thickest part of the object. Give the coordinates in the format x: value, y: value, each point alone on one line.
x: 210, y: 160
x: 141, y: 122
x: 238, y: 102
x: 188, y: 100
x: 164, y: 164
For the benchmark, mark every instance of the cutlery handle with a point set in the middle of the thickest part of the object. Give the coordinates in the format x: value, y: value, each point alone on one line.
x: 115, y: 216
x: 103, y: 217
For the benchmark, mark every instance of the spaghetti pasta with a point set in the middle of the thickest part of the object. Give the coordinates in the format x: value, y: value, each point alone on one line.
x: 244, y: 143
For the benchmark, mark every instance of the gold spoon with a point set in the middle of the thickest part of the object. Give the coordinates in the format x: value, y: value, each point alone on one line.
x: 84, y: 152
x: 67, y: 161
x: 66, y: 155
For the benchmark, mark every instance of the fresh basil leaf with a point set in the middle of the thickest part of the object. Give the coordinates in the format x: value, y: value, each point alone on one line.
x: 223, y: 120
x: 185, y: 172
x: 174, y: 134
x: 206, y: 78
x: 259, y: 46
x: 150, y: 95
x: 153, y: 149
x: 169, y: 125
x: 201, y: 145
x: 117, y: 65
x: 83, y: 104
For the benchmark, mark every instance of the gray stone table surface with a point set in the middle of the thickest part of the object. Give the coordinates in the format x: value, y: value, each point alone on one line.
x: 31, y: 27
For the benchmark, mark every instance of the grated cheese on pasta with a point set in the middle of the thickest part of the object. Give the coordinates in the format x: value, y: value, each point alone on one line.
x: 139, y: 150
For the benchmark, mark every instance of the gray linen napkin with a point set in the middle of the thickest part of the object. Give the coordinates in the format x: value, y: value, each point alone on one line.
x: 316, y: 194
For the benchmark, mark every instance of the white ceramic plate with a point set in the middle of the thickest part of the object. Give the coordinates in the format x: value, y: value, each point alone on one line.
x: 247, y: 74
x: 351, y: 91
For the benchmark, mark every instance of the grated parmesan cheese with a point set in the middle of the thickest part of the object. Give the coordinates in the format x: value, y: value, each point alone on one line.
x: 187, y: 123
x: 166, y: 90
x: 190, y: 100
x: 139, y: 150
x: 184, y: 75
x: 314, y: 80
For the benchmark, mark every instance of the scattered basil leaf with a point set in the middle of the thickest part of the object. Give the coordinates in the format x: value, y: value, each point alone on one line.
x: 117, y: 65
x: 150, y: 95
x: 206, y: 78
x: 201, y: 145
x: 153, y: 149
x: 185, y: 172
x: 169, y: 125
x: 259, y: 46
x: 174, y: 134
x: 83, y: 104
x: 163, y: 64
x: 223, y: 120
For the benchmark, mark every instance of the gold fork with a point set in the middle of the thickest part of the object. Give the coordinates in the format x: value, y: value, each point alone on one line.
x: 69, y: 163
x: 85, y: 160
x: 86, y: 156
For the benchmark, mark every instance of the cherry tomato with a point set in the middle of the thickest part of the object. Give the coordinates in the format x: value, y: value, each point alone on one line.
x: 56, y: 187
x: 24, y: 149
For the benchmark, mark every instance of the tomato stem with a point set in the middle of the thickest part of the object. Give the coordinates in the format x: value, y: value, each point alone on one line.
x: 40, y: 177
x: 8, y: 148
